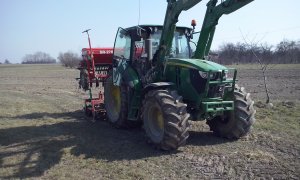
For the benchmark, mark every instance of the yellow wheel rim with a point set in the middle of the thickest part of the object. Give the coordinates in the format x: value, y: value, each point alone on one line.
x: 160, y: 119
x: 116, y: 95
x: 156, y: 120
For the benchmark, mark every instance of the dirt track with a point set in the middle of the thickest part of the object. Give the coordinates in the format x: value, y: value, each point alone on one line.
x: 44, y: 135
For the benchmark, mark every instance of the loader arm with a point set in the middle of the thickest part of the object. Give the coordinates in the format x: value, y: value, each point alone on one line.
x: 213, y: 13
x: 175, y: 7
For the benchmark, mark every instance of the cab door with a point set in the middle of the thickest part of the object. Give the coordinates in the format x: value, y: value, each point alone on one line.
x: 121, y: 55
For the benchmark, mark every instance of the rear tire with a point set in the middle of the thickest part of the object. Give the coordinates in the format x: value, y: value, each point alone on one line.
x: 165, y: 119
x: 83, y: 82
x: 237, y: 123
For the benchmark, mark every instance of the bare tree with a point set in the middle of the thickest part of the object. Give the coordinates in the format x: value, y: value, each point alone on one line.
x: 7, y: 61
x: 263, y: 65
x: 228, y: 53
x: 69, y: 59
x: 288, y: 51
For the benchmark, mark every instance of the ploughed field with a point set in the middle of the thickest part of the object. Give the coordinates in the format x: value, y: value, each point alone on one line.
x: 45, y: 135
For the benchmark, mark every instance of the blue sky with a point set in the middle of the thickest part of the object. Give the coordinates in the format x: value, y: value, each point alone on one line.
x: 54, y: 26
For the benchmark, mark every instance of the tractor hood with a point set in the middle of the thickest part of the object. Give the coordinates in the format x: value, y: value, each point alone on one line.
x: 199, y: 64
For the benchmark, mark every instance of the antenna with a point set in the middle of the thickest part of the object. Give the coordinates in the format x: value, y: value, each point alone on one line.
x: 139, y: 12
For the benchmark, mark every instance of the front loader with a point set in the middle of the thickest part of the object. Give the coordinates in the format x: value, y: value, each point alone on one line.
x: 158, y: 81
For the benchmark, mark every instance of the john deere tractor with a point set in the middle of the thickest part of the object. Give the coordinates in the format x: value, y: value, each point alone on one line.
x: 157, y: 80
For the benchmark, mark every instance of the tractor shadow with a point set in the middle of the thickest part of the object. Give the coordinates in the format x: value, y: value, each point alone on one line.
x: 37, y: 148
x: 32, y: 150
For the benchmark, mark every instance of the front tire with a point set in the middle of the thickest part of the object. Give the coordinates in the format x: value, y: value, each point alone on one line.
x: 165, y: 119
x: 237, y: 123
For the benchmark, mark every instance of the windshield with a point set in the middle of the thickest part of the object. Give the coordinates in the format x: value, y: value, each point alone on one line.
x: 180, y: 47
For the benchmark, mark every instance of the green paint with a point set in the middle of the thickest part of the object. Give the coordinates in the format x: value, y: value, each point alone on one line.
x: 132, y: 80
x: 201, y: 65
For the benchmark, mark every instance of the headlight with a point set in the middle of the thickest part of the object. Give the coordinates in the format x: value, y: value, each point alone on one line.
x: 225, y: 75
x: 204, y: 75
x: 228, y: 75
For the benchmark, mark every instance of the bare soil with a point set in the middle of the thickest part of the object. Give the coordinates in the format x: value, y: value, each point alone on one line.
x: 45, y: 135
x: 283, y: 81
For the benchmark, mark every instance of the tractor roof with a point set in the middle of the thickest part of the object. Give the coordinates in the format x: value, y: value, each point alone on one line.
x: 145, y: 26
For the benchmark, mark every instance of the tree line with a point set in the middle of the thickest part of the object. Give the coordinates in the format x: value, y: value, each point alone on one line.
x: 38, y: 58
x: 67, y: 59
x: 285, y: 52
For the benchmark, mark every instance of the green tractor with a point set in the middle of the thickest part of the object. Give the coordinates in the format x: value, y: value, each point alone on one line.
x: 158, y: 81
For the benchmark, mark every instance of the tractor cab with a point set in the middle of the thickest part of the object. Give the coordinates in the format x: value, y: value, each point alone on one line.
x: 138, y: 45
x: 142, y: 41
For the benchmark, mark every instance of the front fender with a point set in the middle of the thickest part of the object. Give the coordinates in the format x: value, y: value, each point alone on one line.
x: 157, y: 85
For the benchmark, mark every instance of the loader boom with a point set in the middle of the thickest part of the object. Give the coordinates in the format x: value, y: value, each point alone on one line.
x: 213, y: 13
x: 175, y: 7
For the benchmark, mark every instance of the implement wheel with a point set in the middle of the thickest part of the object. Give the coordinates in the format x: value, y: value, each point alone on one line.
x: 165, y: 119
x: 115, y: 100
x: 237, y: 123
